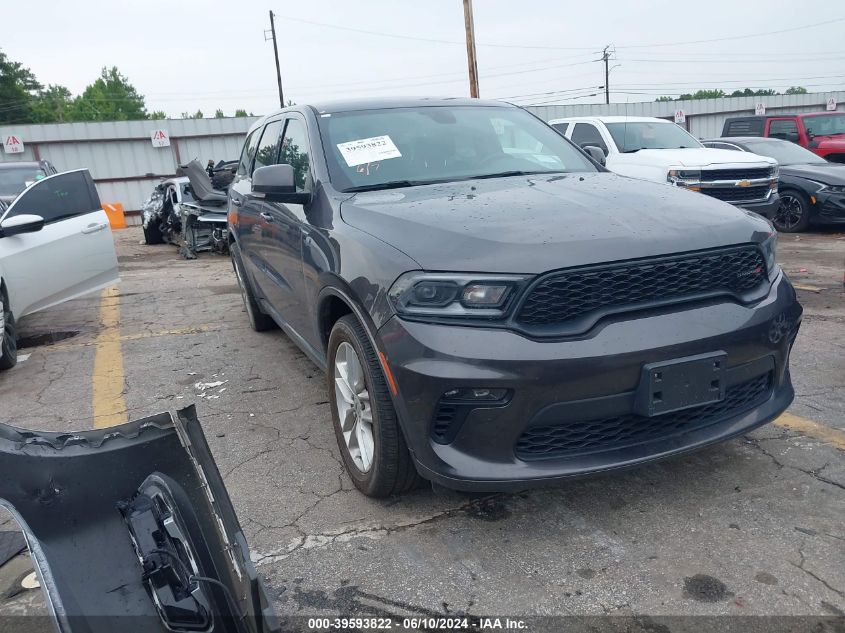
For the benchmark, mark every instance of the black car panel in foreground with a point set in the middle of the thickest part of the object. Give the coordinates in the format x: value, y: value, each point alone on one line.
x: 812, y: 189
x: 492, y: 308
x: 153, y: 546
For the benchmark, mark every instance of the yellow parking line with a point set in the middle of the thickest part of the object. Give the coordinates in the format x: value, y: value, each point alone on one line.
x: 813, y: 429
x: 807, y: 287
x: 107, y: 381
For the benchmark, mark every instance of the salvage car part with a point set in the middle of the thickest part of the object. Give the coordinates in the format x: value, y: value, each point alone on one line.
x: 131, y: 528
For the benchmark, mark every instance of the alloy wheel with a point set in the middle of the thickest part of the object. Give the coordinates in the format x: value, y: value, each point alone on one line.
x: 354, y: 409
x: 789, y: 213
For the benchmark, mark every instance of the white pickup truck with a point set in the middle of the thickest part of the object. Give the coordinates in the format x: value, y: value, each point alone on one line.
x: 658, y: 150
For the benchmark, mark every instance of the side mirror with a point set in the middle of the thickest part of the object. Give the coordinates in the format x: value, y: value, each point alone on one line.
x: 24, y: 223
x: 276, y: 184
x: 596, y: 153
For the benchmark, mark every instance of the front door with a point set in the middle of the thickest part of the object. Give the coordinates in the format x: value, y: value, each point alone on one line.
x: 282, y: 243
x: 72, y: 255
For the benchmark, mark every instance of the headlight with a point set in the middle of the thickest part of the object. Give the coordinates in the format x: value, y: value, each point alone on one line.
x: 769, y: 248
x: 454, y: 295
x: 683, y: 177
x: 834, y: 188
x: 775, y: 171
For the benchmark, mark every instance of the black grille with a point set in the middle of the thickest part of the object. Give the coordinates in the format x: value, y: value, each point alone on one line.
x: 749, y: 173
x: 572, y: 294
x: 593, y: 436
x: 737, y: 194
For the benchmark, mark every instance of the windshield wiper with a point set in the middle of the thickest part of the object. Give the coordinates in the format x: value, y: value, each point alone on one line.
x: 393, y: 184
x: 516, y: 172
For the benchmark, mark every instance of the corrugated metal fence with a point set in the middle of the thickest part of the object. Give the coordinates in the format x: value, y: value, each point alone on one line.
x: 120, y: 154
x: 705, y: 117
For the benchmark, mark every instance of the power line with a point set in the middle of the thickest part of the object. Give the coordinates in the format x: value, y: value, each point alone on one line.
x: 567, y: 48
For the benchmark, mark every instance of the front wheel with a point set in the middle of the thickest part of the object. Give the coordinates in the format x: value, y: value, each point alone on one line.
x: 9, y: 344
x: 371, y: 443
x: 152, y: 232
x: 793, y: 215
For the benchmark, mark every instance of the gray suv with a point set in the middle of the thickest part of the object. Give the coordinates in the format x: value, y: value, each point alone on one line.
x: 492, y: 308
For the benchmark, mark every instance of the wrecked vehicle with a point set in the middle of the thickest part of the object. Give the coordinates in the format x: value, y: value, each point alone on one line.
x: 493, y: 308
x: 187, y: 211
x: 153, y: 546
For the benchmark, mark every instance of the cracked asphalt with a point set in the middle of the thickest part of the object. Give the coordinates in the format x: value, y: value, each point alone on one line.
x: 755, y: 526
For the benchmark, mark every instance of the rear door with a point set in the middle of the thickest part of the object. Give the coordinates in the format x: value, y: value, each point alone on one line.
x: 783, y: 128
x: 71, y: 256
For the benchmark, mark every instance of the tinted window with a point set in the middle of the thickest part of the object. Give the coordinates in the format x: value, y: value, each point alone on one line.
x: 587, y: 134
x: 59, y: 197
x: 744, y: 127
x: 825, y: 125
x: 722, y: 146
x: 295, y: 152
x: 415, y: 145
x: 248, y: 152
x: 267, y: 152
x: 633, y: 136
x: 16, y: 178
x: 782, y: 128
x: 560, y: 127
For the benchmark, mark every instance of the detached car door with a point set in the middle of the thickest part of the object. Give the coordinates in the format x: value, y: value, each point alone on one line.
x: 73, y: 254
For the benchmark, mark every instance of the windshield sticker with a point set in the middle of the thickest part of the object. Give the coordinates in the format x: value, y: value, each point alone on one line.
x: 368, y: 150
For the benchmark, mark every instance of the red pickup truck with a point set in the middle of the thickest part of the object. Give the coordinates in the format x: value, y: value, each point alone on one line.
x: 822, y: 133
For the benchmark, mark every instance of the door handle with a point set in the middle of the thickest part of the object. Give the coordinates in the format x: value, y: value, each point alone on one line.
x: 237, y: 202
x: 267, y: 217
x: 94, y: 228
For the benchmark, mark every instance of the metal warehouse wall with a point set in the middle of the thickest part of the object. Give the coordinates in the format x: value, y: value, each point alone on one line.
x: 705, y: 117
x: 120, y: 154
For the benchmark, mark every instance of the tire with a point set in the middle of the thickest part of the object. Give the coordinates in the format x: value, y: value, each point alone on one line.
x: 152, y: 233
x: 9, y: 344
x: 389, y: 469
x: 258, y: 320
x: 793, y: 215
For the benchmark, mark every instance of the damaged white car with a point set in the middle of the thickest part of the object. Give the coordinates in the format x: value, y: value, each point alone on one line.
x: 187, y: 211
x: 55, y: 245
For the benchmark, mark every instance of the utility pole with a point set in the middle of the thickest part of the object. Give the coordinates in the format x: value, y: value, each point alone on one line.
x: 605, y: 56
x: 276, y: 51
x: 471, y: 63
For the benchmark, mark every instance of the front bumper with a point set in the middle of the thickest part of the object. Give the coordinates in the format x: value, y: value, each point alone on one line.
x: 829, y: 208
x: 568, y: 382
x: 767, y: 208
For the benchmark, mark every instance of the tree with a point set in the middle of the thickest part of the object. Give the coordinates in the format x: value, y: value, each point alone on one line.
x: 240, y: 113
x: 704, y: 94
x: 195, y: 115
x: 665, y: 98
x: 52, y: 105
x: 218, y: 114
x: 796, y: 90
x: 110, y: 98
x: 18, y: 89
x: 158, y: 114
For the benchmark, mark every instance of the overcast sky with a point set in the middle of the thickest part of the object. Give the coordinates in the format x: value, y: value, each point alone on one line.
x: 186, y: 55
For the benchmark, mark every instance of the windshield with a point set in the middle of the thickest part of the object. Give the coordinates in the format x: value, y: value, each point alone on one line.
x: 785, y: 153
x: 372, y: 149
x: 15, y: 179
x: 825, y: 124
x: 633, y: 136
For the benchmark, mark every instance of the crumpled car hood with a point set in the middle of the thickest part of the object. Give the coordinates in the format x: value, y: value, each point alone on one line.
x: 131, y: 526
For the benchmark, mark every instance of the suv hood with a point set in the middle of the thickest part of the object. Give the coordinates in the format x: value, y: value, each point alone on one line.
x: 531, y: 224
x: 694, y: 157
x: 830, y: 142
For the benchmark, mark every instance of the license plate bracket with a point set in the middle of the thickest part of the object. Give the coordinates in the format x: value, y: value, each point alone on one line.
x: 681, y: 383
